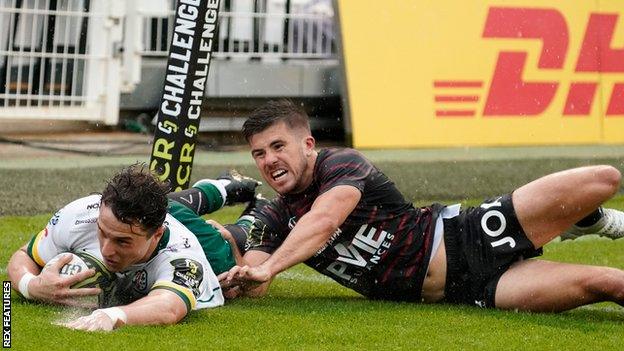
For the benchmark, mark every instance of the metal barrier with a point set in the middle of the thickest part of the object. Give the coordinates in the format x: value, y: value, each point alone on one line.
x: 58, y: 59
x: 265, y: 29
x: 72, y: 59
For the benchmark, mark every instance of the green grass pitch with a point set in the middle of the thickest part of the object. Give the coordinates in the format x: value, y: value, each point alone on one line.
x: 306, y: 311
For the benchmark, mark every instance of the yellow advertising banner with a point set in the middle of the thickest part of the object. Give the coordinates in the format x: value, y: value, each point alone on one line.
x: 454, y: 73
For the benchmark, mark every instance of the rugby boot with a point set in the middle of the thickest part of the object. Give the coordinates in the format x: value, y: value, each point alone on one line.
x: 239, y: 188
x: 611, y: 226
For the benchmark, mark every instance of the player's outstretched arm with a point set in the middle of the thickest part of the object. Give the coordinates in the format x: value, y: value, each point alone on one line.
x: 46, y: 285
x: 252, y: 285
x: 310, y: 233
x: 159, y: 307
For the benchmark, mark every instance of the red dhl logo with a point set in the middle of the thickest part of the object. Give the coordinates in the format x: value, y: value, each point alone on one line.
x: 510, y: 95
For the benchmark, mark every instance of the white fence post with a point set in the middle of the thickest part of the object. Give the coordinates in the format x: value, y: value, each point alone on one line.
x: 114, y: 57
x: 60, y: 60
x: 132, y: 44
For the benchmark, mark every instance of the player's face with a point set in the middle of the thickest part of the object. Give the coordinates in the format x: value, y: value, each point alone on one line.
x: 285, y: 157
x: 121, y: 244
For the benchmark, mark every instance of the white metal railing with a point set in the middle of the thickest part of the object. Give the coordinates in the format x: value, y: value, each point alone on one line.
x: 63, y: 59
x: 266, y: 29
x: 57, y: 59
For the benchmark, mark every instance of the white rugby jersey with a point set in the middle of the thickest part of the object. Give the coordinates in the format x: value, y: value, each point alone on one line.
x: 178, y: 263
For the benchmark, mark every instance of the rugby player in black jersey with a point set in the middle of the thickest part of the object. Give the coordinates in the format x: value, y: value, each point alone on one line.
x: 343, y: 217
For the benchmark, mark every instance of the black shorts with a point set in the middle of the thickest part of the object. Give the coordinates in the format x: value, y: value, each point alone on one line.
x: 481, y: 243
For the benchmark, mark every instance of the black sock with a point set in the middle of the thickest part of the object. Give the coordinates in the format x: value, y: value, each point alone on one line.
x: 591, y: 219
x: 192, y: 198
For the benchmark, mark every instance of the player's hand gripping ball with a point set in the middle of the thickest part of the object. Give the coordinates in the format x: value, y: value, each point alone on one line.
x: 82, y: 261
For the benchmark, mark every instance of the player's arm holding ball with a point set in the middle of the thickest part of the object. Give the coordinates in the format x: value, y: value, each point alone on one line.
x: 25, y: 268
x: 47, y: 285
x: 182, y: 284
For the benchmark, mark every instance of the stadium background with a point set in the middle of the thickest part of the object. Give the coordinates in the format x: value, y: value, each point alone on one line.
x: 416, y: 74
x: 413, y: 74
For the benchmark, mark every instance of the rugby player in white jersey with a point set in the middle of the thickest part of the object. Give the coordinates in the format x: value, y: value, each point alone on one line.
x: 164, y: 255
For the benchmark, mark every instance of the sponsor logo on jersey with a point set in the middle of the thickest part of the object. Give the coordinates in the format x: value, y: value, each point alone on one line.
x: 494, y: 224
x: 172, y: 248
x: 54, y: 220
x: 188, y: 273
x: 329, y: 242
x: 93, y: 206
x: 293, y: 221
x: 139, y: 281
x: 364, y: 251
x: 85, y: 221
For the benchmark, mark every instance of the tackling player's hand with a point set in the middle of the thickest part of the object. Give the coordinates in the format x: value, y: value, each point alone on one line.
x: 50, y: 287
x: 230, y: 290
x: 248, y: 278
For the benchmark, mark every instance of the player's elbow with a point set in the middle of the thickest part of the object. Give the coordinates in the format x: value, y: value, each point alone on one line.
x: 18, y: 261
x: 11, y: 275
x: 611, y: 176
x: 172, y: 315
x: 10, y: 269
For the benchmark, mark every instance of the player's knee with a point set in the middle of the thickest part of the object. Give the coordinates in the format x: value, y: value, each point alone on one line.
x: 616, y: 278
x: 609, y: 178
x: 611, y: 175
x: 608, y: 283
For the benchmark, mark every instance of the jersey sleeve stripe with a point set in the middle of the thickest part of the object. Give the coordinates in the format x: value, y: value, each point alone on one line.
x: 33, y: 247
x: 184, y: 293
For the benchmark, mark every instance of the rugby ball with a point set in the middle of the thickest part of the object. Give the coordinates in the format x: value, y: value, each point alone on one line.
x: 82, y: 261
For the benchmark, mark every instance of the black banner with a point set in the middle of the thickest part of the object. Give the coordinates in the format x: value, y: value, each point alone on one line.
x: 194, y: 34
